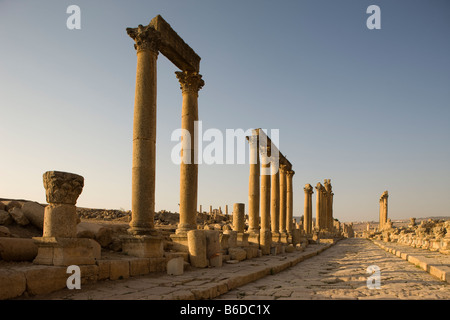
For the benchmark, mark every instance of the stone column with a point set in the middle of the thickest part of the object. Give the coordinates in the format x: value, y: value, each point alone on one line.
x: 289, y: 202
x: 239, y: 223
x: 283, y: 232
x: 253, y: 189
x: 275, y: 202
x: 307, y: 215
x: 59, y: 244
x: 144, y: 131
x: 191, y: 83
x: 319, y: 207
x: 265, y: 234
x: 383, y: 210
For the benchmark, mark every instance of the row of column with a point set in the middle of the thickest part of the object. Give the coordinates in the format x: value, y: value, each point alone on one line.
x: 324, y: 207
x: 271, y: 193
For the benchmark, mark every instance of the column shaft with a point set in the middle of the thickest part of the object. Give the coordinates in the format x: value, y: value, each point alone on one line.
x: 144, y: 144
x: 282, y: 200
x: 289, y: 201
x: 275, y: 200
x: 253, y: 187
x: 191, y: 83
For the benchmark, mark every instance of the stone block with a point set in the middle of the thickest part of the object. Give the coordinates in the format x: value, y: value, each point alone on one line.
x: 139, y: 266
x: 237, y: 254
x: 18, y: 216
x: 104, y: 267
x: 12, y: 283
x: 157, y: 264
x: 34, y: 212
x: 89, y: 273
x: 4, y: 232
x: 143, y: 246
x: 17, y: 249
x: 66, y: 251
x: 175, y: 266
x: 119, y: 269
x: 216, y: 260
x: 251, y: 252
x: 45, y: 279
x: 5, y: 218
x: 197, y: 248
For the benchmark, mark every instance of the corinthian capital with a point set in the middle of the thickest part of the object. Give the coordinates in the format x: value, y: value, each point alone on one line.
x: 308, y: 188
x: 62, y: 187
x: 190, y: 81
x: 146, y: 38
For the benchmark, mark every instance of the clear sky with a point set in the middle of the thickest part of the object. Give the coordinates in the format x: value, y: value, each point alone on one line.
x: 368, y: 109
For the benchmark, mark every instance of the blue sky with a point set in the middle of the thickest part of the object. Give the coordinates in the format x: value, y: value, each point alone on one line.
x: 368, y: 109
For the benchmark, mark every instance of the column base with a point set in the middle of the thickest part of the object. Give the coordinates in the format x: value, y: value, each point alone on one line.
x: 180, y: 242
x: 66, y: 251
x: 242, y: 239
x: 276, y: 236
x: 265, y: 242
x: 284, y: 237
x: 254, y: 238
x: 144, y: 246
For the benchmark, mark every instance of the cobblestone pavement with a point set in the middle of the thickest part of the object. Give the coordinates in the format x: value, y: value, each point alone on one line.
x: 340, y: 273
x: 195, y: 284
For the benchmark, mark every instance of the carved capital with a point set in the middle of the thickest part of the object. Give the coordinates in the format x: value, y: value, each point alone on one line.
x: 290, y: 173
x: 190, y: 81
x: 308, y: 188
x: 62, y: 187
x: 146, y: 38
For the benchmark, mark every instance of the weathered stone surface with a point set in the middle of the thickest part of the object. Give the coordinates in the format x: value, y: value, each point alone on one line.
x: 42, y: 280
x: 237, y: 254
x: 12, y: 283
x: 139, y: 266
x: 197, y: 248
x: 34, y: 212
x: 5, y: 218
x: 18, y: 216
x: 103, y: 235
x: 17, y: 249
x: 62, y: 187
x: 119, y: 269
x: 4, y: 232
x: 175, y: 266
x: 11, y: 204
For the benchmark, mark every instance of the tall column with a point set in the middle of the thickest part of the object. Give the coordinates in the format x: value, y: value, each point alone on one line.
x: 283, y: 232
x: 191, y: 83
x: 319, y: 206
x: 253, y: 186
x: 307, y: 215
x: 144, y: 131
x: 265, y: 234
x: 383, y: 210
x: 289, y: 201
x: 275, y: 201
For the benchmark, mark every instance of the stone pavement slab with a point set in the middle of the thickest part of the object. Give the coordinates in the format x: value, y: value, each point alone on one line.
x: 196, y: 284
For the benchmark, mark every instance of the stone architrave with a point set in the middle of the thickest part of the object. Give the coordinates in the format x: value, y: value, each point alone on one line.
x: 307, y: 215
x: 59, y: 244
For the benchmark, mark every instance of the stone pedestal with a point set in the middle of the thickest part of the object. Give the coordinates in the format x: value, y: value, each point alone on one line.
x: 143, y: 246
x: 265, y: 241
x: 197, y: 248
x: 59, y: 244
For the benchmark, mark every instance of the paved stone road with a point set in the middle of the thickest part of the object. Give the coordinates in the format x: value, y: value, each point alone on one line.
x: 340, y: 273
x: 320, y: 272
